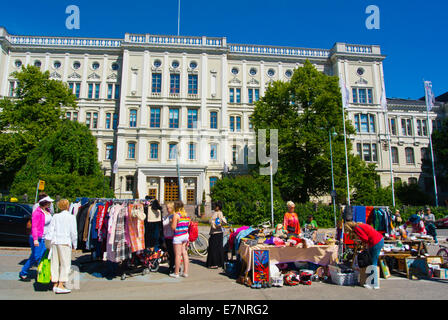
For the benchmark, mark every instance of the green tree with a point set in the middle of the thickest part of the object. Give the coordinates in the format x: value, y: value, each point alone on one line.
x: 304, y: 110
x: 247, y: 199
x: 36, y: 111
x: 67, y: 160
x: 440, y: 147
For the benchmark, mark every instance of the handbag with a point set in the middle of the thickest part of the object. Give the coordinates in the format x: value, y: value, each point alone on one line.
x: 364, y: 259
x: 44, y: 269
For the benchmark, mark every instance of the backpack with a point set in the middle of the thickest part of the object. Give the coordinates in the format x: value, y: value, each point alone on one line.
x: 193, y: 231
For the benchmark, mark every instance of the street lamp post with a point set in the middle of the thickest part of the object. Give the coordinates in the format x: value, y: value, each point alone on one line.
x: 333, y: 191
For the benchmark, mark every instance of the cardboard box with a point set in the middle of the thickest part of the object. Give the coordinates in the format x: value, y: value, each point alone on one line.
x: 441, y: 273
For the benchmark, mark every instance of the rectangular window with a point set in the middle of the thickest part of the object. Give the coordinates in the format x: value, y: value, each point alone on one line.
x: 372, y: 123
x: 192, y: 118
x: 77, y: 89
x: 174, y: 118
x: 234, y: 154
x: 393, y: 127
x: 362, y: 96
x: 409, y: 156
x: 68, y: 115
x: 409, y: 127
x: 109, y: 151
x: 155, y: 118
x: 97, y: 90
x: 374, y: 153
x: 364, y: 123
x: 156, y: 83
x: 251, y: 95
x: 257, y: 94
x: 238, y: 95
x: 355, y: 95
x: 403, y: 127
x: 192, y: 84
x: 238, y: 124
x: 131, y: 151
x: 174, y: 83
x: 117, y: 91
x: 213, y: 152
x: 75, y: 116
x: 110, y: 89
x: 424, y: 128
x: 359, y: 150
x: 394, y: 151
x: 251, y: 126
x: 367, y: 152
x: 88, y: 119
x: 115, y: 122
x: 95, y: 120
x: 191, y: 151
x: 213, y: 120
x: 12, y: 85
x: 133, y: 118
x: 154, y: 151
x: 232, y: 123
x: 231, y: 95
x: 172, y: 151
x: 90, y: 93
x: 108, y: 120
x: 370, y: 96
x: 357, y: 125
x: 129, y: 183
x: 419, y: 127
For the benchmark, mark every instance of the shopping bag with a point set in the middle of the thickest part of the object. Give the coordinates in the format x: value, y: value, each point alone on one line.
x: 44, y: 269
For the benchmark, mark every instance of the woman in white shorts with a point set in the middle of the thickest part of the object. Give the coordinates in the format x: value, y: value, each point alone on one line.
x: 180, y: 225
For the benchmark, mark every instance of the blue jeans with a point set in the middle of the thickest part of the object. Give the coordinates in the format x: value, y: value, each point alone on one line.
x: 375, y: 254
x: 36, y: 254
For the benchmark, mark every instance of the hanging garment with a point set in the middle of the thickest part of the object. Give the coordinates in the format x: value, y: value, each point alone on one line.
x: 369, y: 215
x: 136, y: 231
x: 120, y: 246
x: 359, y: 214
x: 113, y: 215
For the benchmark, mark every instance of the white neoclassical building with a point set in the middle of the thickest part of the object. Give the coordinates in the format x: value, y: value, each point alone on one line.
x: 155, y: 101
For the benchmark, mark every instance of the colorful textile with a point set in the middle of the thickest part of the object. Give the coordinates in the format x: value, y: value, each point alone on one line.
x: 182, y: 226
x: 119, y: 246
x: 369, y: 215
x: 37, y: 223
x: 291, y: 223
x: 136, y: 231
x: 359, y: 214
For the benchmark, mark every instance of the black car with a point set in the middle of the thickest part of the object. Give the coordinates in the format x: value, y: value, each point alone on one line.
x: 14, y: 218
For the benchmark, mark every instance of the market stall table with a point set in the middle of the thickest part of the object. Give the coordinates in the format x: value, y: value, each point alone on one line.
x: 322, y: 255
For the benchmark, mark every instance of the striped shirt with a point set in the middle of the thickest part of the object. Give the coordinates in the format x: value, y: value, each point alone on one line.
x: 182, y: 226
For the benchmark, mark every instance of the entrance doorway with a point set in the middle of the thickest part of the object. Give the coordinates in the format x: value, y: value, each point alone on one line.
x: 191, y: 196
x: 171, y: 189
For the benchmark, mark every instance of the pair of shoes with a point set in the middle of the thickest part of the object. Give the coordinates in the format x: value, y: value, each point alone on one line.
x: 174, y: 275
x: 61, y: 290
x: 185, y: 275
x: 213, y: 267
x: 54, y: 289
x: 24, y: 278
x: 368, y: 286
x: 376, y: 287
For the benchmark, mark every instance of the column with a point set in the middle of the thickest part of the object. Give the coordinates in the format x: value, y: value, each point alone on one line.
x: 204, y: 91
x: 244, y: 95
x: 5, y: 75
x: 66, y: 66
x: 262, y: 78
x: 144, y: 116
x: 124, y: 89
x: 162, y: 189
x: 165, y: 76
x: 27, y: 59
x: 103, y: 90
x: 47, y: 61
x: 224, y: 92
x: 184, y: 77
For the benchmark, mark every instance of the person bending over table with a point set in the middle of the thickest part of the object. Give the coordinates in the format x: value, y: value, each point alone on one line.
x: 374, y: 241
x: 291, y: 222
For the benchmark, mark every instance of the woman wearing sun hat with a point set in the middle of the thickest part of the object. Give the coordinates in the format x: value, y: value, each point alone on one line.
x: 40, y: 223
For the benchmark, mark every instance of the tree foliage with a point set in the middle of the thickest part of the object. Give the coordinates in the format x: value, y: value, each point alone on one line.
x: 34, y: 112
x: 304, y: 111
x: 247, y: 199
x: 67, y: 160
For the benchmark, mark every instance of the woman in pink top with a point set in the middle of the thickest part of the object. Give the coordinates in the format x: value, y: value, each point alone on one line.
x: 37, y: 240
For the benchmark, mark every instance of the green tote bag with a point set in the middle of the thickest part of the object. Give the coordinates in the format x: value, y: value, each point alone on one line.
x: 44, y: 269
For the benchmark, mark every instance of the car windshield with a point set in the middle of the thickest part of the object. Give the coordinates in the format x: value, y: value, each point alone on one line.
x: 28, y: 208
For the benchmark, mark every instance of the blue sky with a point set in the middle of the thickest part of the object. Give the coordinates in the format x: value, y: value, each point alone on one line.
x: 413, y: 34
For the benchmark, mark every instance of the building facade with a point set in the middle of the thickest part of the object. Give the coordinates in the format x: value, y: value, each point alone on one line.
x: 167, y: 106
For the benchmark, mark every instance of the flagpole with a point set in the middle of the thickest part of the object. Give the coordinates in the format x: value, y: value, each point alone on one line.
x: 386, y: 119
x: 345, y: 105
x: 428, y: 87
x: 178, y: 18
